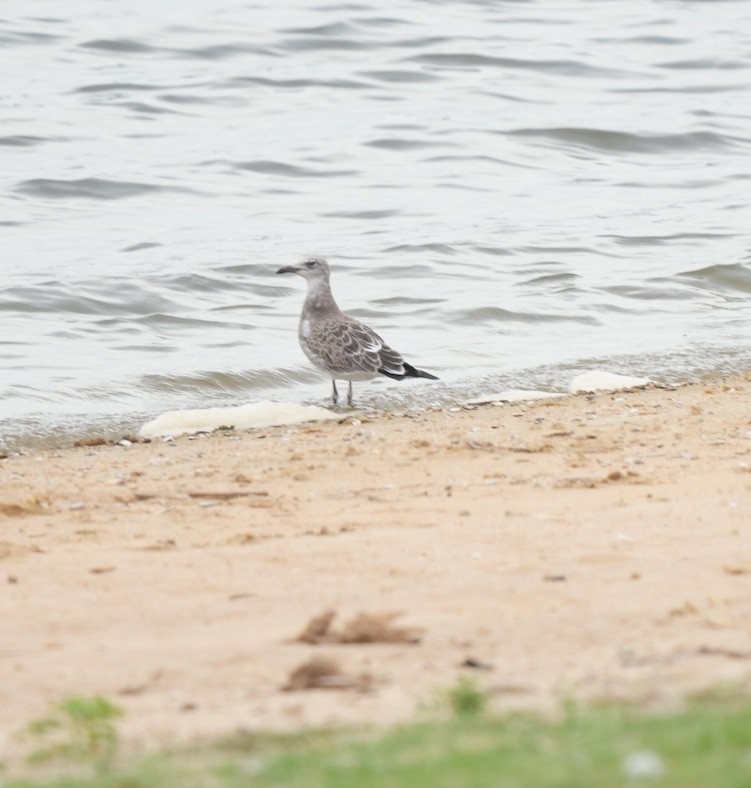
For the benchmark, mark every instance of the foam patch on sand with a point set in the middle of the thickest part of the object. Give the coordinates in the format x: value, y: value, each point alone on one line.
x: 254, y: 414
x: 586, y: 383
x: 514, y: 395
x: 599, y: 380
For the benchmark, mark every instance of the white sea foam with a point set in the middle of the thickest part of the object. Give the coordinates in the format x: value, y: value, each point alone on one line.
x: 587, y: 382
x: 514, y: 395
x: 600, y: 380
x: 254, y: 414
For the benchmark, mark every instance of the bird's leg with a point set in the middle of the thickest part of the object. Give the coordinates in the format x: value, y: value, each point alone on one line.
x: 349, y: 395
x: 334, y: 392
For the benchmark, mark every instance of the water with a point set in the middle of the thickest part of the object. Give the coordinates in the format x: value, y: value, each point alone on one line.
x: 510, y: 192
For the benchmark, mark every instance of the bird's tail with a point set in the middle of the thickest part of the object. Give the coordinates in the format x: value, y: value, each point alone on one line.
x: 409, y: 372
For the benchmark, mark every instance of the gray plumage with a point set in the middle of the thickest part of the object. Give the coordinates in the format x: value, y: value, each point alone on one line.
x: 337, y: 344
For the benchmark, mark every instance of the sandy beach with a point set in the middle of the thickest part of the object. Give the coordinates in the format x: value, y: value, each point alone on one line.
x: 597, y: 546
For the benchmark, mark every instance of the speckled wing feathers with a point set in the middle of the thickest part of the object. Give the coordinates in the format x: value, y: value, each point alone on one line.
x: 345, y: 346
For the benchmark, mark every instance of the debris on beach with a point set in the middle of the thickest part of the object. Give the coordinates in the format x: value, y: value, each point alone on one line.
x: 322, y: 672
x: 363, y: 628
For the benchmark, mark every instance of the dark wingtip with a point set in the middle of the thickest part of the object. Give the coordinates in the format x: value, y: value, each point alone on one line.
x: 412, y: 372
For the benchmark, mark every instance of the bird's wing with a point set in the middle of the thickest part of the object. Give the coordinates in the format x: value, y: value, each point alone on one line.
x: 347, y: 345
x: 386, y: 358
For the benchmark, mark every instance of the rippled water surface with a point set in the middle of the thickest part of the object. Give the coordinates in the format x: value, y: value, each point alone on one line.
x: 510, y: 192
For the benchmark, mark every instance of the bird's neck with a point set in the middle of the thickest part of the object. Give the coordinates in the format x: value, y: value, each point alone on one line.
x: 319, y: 298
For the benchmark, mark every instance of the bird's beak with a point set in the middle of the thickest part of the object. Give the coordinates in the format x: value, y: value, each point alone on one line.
x: 288, y: 269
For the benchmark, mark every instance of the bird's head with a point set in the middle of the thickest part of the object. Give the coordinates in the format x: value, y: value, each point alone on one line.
x: 309, y: 268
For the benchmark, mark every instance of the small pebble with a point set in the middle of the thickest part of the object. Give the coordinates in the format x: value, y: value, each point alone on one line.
x: 644, y: 765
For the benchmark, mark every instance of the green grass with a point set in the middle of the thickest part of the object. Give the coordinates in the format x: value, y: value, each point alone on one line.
x: 706, y: 744
x: 77, y: 728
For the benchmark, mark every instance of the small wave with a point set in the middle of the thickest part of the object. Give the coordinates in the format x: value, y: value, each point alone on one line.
x: 210, y: 52
x: 726, y: 277
x: 609, y: 141
x: 398, y: 143
x: 465, y: 60
x: 647, y: 293
x: 551, y: 279
x: 438, y: 248
x: 141, y: 246
x: 296, y: 84
x: 399, y: 271
x: 22, y: 140
x: 495, y: 251
x: 407, y: 301
x: 168, y: 320
x: 663, y: 240
x: 329, y: 29
x: 649, y: 39
x: 710, y: 63
x: 400, y: 76
x: 12, y: 38
x: 496, y: 314
x: 266, y: 167
x: 555, y: 249
x: 90, y: 188
x: 692, y: 183
x: 112, y: 297
x: 422, y: 42
x: 686, y: 89
x: 121, y: 45
x: 209, y: 99
x: 247, y: 269
x: 222, y: 51
x: 380, y: 21
x: 481, y: 159
x: 367, y: 214
x: 323, y: 44
x: 465, y: 187
x: 226, y: 382
x: 198, y: 283
x: 117, y: 87
x: 142, y: 108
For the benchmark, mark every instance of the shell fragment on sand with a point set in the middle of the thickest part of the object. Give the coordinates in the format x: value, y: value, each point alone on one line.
x: 600, y: 380
x: 254, y: 414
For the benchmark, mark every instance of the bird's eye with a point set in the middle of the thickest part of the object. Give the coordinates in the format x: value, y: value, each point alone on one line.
x: 310, y: 263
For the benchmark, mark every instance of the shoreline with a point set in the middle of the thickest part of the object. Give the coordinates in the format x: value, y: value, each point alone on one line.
x: 69, y: 428
x: 593, y: 546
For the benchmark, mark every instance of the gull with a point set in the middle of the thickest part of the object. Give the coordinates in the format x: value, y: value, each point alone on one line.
x: 339, y: 345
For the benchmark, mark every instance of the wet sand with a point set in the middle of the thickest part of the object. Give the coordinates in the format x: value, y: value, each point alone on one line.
x: 590, y: 547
